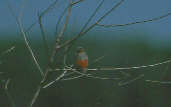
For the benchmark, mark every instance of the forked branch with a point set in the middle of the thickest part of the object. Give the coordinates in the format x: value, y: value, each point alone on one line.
x: 18, y: 20
x: 50, y: 7
x: 93, y: 25
x: 76, y: 77
x: 58, y: 39
x: 36, y: 94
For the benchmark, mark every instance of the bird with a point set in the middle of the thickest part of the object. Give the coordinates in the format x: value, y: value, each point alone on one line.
x: 81, y: 59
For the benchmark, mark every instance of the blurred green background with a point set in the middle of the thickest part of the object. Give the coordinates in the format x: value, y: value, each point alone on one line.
x: 121, y: 51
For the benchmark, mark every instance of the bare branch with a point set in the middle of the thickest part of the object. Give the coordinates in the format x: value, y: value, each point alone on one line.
x: 6, y: 84
x: 29, y: 48
x: 45, y: 43
x: 59, y: 20
x: 92, y: 26
x: 77, y: 2
x: 133, y: 80
x: 35, y: 96
x: 57, y: 79
x: 50, y: 61
x: 119, y: 68
x: 136, y: 67
x: 91, y: 17
x: 65, y: 25
x: 158, y: 82
x: 80, y: 75
x: 72, y: 78
x: 62, y: 14
x: 98, y: 59
x: 90, y: 69
x: 95, y: 77
x: 22, y: 9
x: 62, y: 31
x: 51, y: 6
x: 137, y: 22
x: 124, y: 73
x: 26, y: 41
x: 7, y: 51
x: 8, y: 94
x: 11, y: 9
x: 76, y: 77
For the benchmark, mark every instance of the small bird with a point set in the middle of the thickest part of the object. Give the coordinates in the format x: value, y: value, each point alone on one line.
x: 82, y: 59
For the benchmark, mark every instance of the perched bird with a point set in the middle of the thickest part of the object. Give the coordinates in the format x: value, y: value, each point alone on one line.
x: 82, y: 59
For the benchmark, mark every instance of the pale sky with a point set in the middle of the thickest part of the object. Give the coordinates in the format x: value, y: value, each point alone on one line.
x: 129, y: 11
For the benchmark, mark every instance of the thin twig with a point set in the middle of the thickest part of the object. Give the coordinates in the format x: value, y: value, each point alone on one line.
x: 51, y: 6
x: 22, y: 9
x: 72, y: 78
x: 158, y: 82
x: 91, y: 17
x: 98, y: 59
x: 62, y: 15
x: 95, y: 77
x: 4, y: 53
x: 120, y: 68
x: 89, y: 20
x: 62, y: 32
x: 124, y: 73
x: 58, y: 69
x: 36, y: 94
x: 77, y: 2
x: 92, y: 26
x: 25, y: 39
x: 104, y: 78
x: 86, y: 75
x: 45, y: 43
x: 80, y: 75
x: 57, y: 79
x: 136, y: 67
x: 29, y: 48
x: 7, y: 51
x: 8, y: 94
x: 59, y: 20
x: 65, y: 24
x: 130, y: 81
x: 70, y: 73
x: 137, y: 22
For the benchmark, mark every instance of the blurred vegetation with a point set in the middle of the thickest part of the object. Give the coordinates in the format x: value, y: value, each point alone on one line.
x: 87, y: 92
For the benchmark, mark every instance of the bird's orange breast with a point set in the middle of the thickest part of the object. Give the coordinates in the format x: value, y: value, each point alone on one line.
x: 82, y: 63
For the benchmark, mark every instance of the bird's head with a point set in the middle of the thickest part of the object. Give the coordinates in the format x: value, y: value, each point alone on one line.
x: 80, y: 49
